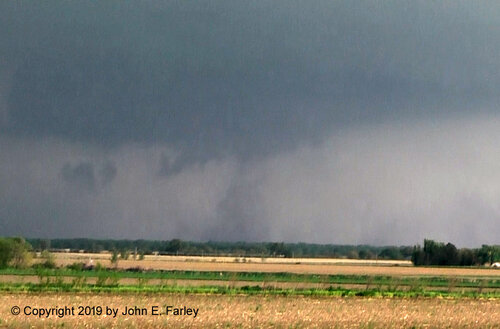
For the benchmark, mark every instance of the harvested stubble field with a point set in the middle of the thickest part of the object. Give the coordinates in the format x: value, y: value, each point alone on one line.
x: 263, y: 309
x: 216, y: 311
x: 269, y: 265
x: 228, y: 259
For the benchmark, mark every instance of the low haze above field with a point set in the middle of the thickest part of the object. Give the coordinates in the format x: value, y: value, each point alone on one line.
x: 320, y: 121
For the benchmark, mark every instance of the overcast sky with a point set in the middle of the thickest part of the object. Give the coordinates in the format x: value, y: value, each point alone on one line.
x: 318, y: 121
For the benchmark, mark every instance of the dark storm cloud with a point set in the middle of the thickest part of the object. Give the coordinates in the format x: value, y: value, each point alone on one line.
x: 249, y: 120
x: 108, y: 173
x: 173, y: 164
x: 217, y: 77
x: 82, y: 175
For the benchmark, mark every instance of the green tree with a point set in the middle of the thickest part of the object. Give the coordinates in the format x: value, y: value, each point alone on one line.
x: 48, y: 258
x: 489, y: 254
x: 124, y: 254
x: 450, y: 255
x: 45, y: 244
x: 390, y: 253
x: 5, y: 253
x: 280, y: 249
x: 366, y: 254
x: 418, y: 256
x: 467, y: 257
x: 114, y: 258
x: 14, y: 252
x: 352, y: 254
x: 175, y: 245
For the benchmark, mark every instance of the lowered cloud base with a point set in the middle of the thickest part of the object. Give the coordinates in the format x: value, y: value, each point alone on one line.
x: 394, y: 183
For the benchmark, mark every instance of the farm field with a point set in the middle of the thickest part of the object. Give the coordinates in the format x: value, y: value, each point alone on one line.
x: 62, y: 256
x: 219, y: 311
x: 230, y: 293
x: 289, y: 265
x: 117, y: 277
x: 491, y: 287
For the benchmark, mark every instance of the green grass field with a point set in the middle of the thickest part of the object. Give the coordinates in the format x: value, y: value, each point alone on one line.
x: 245, y: 290
x: 108, y: 280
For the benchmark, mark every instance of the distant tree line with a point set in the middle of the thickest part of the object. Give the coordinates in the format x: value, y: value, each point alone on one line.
x: 17, y: 252
x: 438, y: 253
x: 216, y: 248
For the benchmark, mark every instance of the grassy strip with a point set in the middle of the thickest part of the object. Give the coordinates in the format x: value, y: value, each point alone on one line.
x: 247, y: 290
x: 264, y: 277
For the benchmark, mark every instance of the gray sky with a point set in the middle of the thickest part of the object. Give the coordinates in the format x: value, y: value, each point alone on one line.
x: 318, y: 121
